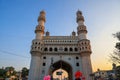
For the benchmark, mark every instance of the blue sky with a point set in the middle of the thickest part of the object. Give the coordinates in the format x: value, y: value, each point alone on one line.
x: 18, y: 19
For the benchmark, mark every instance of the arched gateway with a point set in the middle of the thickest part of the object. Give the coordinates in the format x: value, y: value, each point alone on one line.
x: 50, y: 53
x: 61, y: 65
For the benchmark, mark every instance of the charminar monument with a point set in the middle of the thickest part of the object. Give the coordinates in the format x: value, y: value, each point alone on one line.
x: 69, y: 53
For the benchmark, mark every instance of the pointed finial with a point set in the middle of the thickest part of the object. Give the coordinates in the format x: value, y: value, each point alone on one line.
x: 79, y: 12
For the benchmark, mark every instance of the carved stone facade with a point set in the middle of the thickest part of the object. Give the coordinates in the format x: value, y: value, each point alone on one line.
x: 49, y: 52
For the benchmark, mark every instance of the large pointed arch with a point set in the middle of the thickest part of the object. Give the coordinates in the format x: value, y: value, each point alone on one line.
x: 64, y: 65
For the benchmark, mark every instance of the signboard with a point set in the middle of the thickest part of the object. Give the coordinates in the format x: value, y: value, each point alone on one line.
x: 59, y: 73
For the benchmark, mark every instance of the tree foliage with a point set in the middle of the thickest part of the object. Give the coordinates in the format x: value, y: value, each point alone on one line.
x: 7, y: 72
x: 117, y: 35
x: 118, y: 72
x: 24, y: 72
x: 115, y: 56
x: 2, y: 73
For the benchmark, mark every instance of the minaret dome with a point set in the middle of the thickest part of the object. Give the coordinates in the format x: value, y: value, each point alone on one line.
x: 73, y: 33
x: 42, y: 16
x: 47, y: 33
x: 79, y: 16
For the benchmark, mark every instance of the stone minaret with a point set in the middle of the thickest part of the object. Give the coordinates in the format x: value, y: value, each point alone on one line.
x: 40, y: 27
x: 84, y: 46
x: 36, y: 49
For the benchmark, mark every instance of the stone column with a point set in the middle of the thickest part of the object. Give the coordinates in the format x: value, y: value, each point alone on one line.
x: 86, y: 66
x: 34, y: 68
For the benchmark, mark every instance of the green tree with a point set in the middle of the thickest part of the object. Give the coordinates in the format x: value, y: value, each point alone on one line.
x: 24, y: 72
x: 2, y: 73
x: 10, y: 71
x: 7, y: 72
x: 115, y: 56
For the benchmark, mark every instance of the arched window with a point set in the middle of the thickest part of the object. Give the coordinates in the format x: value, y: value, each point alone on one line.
x: 80, y: 49
x: 77, y: 64
x: 44, y: 57
x: 45, y: 49
x: 71, y: 49
x: 82, y: 43
x: 77, y: 57
x: 76, y: 49
x: 44, y: 64
x: 50, y: 49
x: 55, y: 49
x: 83, y: 48
x: 65, y: 49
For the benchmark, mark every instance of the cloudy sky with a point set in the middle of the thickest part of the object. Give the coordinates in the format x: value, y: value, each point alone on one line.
x: 18, y: 19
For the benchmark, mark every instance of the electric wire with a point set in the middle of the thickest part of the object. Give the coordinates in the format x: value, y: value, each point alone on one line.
x: 10, y: 53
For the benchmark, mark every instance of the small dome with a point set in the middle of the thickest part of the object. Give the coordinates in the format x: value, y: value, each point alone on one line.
x: 47, y: 33
x: 42, y: 12
x: 73, y: 33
